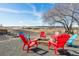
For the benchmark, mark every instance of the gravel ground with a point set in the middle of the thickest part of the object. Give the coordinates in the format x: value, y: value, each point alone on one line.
x: 11, y: 46
x: 5, y: 37
x: 14, y: 48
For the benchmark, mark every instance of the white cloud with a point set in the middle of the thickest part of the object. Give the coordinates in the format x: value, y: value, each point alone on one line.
x: 21, y: 22
x: 13, y: 11
x: 22, y: 11
x: 33, y: 12
x: 33, y: 7
x: 8, y: 10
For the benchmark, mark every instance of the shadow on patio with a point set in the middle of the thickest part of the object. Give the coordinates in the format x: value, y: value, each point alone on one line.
x: 39, y: 51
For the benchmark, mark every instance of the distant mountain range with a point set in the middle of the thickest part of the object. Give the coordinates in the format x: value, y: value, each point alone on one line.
x: 21, y: 27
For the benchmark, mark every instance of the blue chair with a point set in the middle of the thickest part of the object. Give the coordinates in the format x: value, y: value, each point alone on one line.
x: 25, y: 35
x: 28, y: 36
x: 72, y: 39
x: 21, y: 32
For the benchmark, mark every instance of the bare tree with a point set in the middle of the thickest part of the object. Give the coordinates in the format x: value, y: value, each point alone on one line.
x: 66, y: 14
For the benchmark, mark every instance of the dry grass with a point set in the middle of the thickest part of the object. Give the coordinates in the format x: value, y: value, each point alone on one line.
x: 46, y: 30
x: 49, y: 31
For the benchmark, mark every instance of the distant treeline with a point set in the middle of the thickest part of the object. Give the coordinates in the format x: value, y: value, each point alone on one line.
x: 45, y: 27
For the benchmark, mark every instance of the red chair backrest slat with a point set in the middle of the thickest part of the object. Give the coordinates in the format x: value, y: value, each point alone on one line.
x: 42, y: 34
x: 62, y: 39
x: 23, y: 38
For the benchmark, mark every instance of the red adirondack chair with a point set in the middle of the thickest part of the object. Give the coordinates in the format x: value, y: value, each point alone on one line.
x: 61, y: 41
x: 42, y: 34
x: 27, y: 43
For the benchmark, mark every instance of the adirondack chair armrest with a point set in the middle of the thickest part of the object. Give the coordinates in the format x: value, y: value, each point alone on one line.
x: 35, y: 40
x: 52, y: 43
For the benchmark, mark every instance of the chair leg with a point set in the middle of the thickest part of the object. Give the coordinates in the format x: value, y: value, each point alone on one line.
x: 36, y: 44
x: 23, y: 47
x: 55, y: 50
x: 28, y: 49
x: 63, y: 50
x: 49, y: 45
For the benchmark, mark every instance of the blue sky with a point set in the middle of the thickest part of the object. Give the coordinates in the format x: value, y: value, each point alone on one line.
x: 23, y: 14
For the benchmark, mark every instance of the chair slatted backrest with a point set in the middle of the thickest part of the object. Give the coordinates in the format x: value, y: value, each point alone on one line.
x: 21, y: 32
x: 54, y: 36
x: 62, y: 39
x: 42, y: 34
x: 72, y: 38
x: 23, y: 38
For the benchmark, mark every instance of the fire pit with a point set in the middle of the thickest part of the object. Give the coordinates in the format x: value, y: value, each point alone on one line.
x: 43, y: 41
